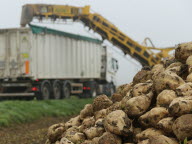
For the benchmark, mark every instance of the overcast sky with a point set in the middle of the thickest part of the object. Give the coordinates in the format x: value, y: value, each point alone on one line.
x: 166, y: 22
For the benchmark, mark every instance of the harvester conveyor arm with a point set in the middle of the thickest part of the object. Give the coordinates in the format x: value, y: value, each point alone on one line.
x: 98, y: 24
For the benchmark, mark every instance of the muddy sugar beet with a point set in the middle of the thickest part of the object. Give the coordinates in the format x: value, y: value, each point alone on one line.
x: 156, y: 108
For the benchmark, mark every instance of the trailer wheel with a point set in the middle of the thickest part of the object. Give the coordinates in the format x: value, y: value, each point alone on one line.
x: 45, y: 91
x: 112, y: 89
x: 93, y: 93
x: 2, y: 89
x: 66, y: 91
x: 109, y: 89
x: 56, y: 90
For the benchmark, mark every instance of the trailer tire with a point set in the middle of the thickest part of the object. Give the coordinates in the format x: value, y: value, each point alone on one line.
x: 2, y: 89
x: 66, y: 90
x: 45, y: 90
x: 112, y: 89
x: 93, y: 92
x: 109, y: 89
x: 57, y: 90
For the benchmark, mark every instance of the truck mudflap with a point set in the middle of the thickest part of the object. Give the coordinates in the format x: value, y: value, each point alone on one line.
x: 17, y: 94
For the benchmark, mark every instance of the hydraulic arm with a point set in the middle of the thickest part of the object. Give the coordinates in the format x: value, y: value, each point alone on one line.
x: 98, y: 24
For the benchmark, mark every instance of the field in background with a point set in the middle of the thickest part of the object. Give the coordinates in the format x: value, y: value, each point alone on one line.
x: 14, y: 112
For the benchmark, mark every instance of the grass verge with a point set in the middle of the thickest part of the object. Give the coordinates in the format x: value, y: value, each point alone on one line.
x: 14, y: 112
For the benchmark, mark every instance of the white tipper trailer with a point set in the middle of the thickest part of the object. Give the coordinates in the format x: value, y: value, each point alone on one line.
x: 53, y: 64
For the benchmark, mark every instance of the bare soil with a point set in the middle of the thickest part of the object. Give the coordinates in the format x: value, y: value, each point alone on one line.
x: 29, y: 133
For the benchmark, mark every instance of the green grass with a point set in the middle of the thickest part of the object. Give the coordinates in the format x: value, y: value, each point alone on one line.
x: 12, y: 112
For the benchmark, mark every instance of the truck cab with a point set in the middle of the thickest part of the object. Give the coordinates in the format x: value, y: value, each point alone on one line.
x: 112, y: 68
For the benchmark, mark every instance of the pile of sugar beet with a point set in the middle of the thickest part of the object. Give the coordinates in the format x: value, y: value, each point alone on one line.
x: 156, y: 108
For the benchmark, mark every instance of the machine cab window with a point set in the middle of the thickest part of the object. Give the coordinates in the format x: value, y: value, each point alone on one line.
x: 114, y: 65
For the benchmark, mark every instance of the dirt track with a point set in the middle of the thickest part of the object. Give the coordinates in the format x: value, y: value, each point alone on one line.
x: 30, y: 133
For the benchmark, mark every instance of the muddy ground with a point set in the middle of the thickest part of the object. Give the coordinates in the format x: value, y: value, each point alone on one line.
x: 29, y: 133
